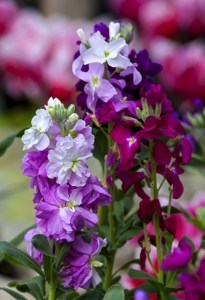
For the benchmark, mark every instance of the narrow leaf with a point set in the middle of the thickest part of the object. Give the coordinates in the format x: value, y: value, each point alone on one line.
x: 33, y: 286
x: 17, y: 256
x: 20, y: 237
x: 13, y: 294
x: 140, y: 275
x: 7, y: 142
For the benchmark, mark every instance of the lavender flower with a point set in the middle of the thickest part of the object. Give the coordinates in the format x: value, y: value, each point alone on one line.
x: 35, y: 254
x: 80, y: 263
x: 62, y: 212
x: 96, y: 85
x: 67, y: 161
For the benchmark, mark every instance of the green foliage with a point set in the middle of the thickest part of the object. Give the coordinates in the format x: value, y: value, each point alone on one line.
x: 34, y: 286
x: 16, y: 256
x: 100, y: 147
x: 91, y: 295
x: 41, y: 243
x: 14, y: 294
x: 115, y: 292
x: 7, y: 142
x: 141, y: 275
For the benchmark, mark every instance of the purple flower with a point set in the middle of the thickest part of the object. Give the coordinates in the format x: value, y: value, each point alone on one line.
x: 67, y: 161
x: 62, y: 212
x: 193, y: 284
x: 35, y: 254
x: 179, y: 258
x: 96, y: 85
x: 141, y: 295
x: 34, y: 165
x: 80, y: 263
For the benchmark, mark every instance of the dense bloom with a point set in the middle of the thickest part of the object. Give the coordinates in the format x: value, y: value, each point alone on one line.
x: 79, y: 270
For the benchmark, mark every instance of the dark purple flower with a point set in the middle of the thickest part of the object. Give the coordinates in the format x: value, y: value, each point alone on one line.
x: 193, y: 284
x: 80, y: 263
x: 103, y: 29
x: 147, y: 209
x: 132, y: 178
x: 179, y: 258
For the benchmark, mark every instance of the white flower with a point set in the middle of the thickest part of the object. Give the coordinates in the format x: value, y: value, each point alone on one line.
x: 36, y: 136
x: 101, y: 51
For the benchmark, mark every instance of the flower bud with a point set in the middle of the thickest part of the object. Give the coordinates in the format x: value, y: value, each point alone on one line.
x: 126, y: 31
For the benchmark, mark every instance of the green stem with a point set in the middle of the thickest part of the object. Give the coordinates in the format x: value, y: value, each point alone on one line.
x: 170, y: 202
x: 52, y: 286
x: 108, y: 273
x: 155, y: 217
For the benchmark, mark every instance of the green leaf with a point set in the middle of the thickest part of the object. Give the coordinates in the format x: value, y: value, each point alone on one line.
x: 41, y: 243
x: 34, y: 286
x: 91, y: 295
x: 119, y: 210
x: 13, y: 294
x: 127, y: 235
x: 7, y: 142
x: 115, y: 292
x: 15, y: 255
x: 68, y: 296
x: 201, y: 214
x: 141, y: 275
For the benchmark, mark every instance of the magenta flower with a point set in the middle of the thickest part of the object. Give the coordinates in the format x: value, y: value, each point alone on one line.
x: 80, y: 263
x: 179, y: 258
x: 128, y: 145
x: 193, y: 284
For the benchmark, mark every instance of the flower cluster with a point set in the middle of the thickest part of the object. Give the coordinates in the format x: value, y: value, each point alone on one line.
x: 66, y: 196
x: 147, y: 140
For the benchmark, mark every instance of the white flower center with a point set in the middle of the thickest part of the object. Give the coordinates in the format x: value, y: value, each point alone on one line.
x: 131, y: 141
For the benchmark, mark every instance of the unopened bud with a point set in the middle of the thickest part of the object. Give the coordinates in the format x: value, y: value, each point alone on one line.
x: 70, y: 110
x: 127, y: 32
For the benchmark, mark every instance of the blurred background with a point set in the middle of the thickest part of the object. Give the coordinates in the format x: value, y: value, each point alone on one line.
x: 37, y: 45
